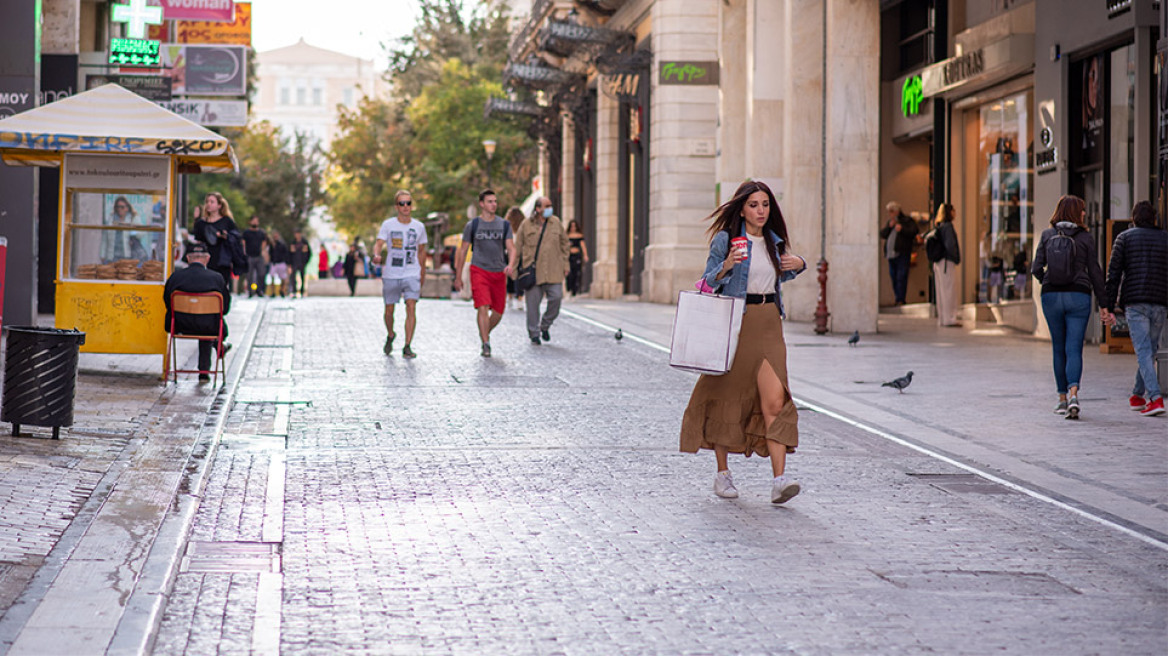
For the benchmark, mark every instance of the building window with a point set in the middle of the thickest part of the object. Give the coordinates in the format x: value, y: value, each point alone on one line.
x: 1005, y: 195
x: 301, y: 96
x: 285, y: 96
x: 915, y: 46
x: 347, y: 94
x: 318, y: 96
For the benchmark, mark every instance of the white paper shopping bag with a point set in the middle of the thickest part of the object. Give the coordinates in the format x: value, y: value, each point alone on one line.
x: 705, y: 332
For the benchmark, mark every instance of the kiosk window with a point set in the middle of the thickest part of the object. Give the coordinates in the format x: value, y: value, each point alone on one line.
x: 116, y: 236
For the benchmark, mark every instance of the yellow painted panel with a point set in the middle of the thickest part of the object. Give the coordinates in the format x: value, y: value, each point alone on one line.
x: 115, y: 317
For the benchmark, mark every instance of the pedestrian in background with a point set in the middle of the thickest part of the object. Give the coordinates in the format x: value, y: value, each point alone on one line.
x: 515, y: 218
x: 749, y: 409
x: 354, y: 267
x: 492, y: 259
x: 323, y: 263
x: 196, y: 278
x: 299, y: 255
x: 214, y: 230
x: 577, y: 256
x: 280, y: 257
x: 404, y: 270
x: 1067, y: 267
x: 542, y: 241
x: 254, y: 243
x: 1138, y: 276
x: 899, y: 235
x: 946, y: 279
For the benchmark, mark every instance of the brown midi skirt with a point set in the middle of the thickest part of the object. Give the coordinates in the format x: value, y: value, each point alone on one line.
x: 724, y: 410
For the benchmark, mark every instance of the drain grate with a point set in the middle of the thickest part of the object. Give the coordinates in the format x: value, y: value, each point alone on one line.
x: 962, y: 483
x: 232, y: 557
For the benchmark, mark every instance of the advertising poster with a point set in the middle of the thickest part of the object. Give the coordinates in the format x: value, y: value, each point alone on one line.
x: 150, y: 87
x: 210, y: 113
x: 1088, y: 128
x: 203, y: 70
x: 236, y: 32
x: 198, y: 10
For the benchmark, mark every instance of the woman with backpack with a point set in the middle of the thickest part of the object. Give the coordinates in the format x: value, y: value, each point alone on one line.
x: 1067, y: 266
x: 944, y: 253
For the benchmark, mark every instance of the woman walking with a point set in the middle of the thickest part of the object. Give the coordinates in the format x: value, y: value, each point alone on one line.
x: 213, y: 230
x: 945, y: 271
x: 749, y: 409
x: 577, y: 257
x: 1066, y: 265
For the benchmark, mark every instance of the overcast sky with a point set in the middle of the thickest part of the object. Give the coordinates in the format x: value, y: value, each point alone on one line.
x: 352, y: 27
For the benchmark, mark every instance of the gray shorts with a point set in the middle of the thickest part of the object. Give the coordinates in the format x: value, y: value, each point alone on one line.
x: 393, y: 289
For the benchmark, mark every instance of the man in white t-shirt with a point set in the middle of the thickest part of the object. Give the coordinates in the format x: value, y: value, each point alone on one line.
x: 404, y: 270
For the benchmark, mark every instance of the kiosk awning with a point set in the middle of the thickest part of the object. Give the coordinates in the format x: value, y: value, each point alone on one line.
x: 110, y: 119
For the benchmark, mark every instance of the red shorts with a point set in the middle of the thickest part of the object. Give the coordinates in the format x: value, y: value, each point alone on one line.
x: 488, y: 288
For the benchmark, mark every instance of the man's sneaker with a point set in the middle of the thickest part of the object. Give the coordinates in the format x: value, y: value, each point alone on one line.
x: 724, y: 486
x: 1154, y: 409
x: 547, y: 337
x: 486, y: 350
x: 1137, y: 403
x: 408, y: 352
x: 1073, y: 408
x: 1061, y: 408
x: 783, y: 490
x: 389, y: 344
x: 535, y: 340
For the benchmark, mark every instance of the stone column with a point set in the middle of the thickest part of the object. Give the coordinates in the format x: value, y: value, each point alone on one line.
x: 606, y: 167
x: 682, y: 135
x: 766, y: 63
x: 567, y: 210
x: 730, y: 164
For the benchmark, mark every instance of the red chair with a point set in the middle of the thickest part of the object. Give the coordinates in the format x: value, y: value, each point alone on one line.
x: 204, y: 303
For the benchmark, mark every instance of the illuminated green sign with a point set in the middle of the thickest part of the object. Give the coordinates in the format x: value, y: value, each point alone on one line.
x: 911, y: 96
x: 689, y: 72
x: 134, y: 52
x: 137, y: 15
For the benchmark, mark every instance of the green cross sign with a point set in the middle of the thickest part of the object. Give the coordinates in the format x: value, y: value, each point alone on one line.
x: 137, y: 15
x: 911, y: 96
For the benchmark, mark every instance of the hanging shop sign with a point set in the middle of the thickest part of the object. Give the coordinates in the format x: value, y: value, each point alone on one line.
x: 1046, y: 161
x: 150, y: 87
x: 693, y: 73
x: 623, y: 87
x: 136, y: 15
x: 141, y: 53
x: 210, y: 113
x: 237, y: 32
x: 978, y: 67
x: 207, y: 70
x: 905, y: 103
x: 911, y: 96
x: 198, y: 10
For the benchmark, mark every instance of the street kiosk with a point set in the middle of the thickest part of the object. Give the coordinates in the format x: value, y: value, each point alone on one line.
x: 120, y: 156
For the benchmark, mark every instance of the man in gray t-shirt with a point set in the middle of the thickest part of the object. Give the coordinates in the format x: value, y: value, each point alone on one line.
x: 492, y: 260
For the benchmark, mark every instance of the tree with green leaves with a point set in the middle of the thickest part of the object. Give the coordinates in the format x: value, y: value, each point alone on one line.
x: 427, y: 137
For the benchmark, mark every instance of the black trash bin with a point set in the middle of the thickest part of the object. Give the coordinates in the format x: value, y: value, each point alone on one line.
x: 40, y: 377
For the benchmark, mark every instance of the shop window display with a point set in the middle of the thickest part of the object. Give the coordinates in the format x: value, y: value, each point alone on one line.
x: 116, y: 236
x: 1005, y: 205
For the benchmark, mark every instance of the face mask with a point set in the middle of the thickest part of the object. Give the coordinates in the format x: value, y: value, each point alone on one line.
x: 547, y: 212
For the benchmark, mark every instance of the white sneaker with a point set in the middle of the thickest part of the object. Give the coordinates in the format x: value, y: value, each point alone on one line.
x: 724, y: 486
x: 784, y: 489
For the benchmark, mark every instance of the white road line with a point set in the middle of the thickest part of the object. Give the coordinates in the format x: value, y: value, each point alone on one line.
x: 923, y: 450
x: 265, y: 635
x: 273, y: 522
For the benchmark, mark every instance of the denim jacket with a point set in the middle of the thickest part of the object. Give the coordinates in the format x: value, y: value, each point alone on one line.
x: 734, y: 284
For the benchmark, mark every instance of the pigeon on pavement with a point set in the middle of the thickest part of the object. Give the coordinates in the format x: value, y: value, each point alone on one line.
x: 619, y: 334
x: 854, y: 339
x: 899, y: 384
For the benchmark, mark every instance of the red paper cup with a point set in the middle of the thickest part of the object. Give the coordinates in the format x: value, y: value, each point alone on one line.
x: 740, y: 244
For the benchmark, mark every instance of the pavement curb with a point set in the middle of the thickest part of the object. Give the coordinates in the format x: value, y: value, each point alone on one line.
x: 138, y: 627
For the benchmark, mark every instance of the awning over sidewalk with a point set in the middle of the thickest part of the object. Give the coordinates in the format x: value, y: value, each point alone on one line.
x: 110, y: 119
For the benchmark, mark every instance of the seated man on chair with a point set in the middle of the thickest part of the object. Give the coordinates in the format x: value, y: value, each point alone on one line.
x: 197, y: 278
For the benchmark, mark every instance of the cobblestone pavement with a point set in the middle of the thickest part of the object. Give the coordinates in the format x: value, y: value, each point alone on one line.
x: 535, y: 502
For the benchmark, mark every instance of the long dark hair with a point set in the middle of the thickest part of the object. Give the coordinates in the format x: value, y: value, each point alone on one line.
x: 728, y: 218
x: 1069, y: 208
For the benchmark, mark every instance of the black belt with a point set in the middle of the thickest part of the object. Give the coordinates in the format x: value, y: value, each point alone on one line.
x: 755, y: 299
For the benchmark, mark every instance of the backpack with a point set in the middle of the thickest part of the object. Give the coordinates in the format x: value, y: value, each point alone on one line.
x: 934, y: 246
x: 1060, y: 259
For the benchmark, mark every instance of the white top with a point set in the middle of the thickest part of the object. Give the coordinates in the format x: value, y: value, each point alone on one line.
x: 402, y: 240
x: 762, y: 272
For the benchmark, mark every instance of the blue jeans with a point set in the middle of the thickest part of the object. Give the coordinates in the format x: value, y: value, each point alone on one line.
x: 1145, y: 323
x: 1066, y: 315
x: 898, y: 271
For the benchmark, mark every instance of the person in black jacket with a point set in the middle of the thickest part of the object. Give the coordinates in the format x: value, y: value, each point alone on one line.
x: 1067, y: 307
x: 299, y: 256
x: 215, y: 229
x: 1138, y: 276
x: 899, y: 235
x: 197, y: 278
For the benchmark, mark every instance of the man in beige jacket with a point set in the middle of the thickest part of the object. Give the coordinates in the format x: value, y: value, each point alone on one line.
x: 551, y: 267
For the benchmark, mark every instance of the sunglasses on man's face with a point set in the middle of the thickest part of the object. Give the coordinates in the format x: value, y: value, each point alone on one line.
x: 405, y: 203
